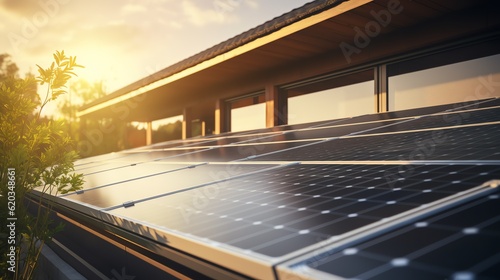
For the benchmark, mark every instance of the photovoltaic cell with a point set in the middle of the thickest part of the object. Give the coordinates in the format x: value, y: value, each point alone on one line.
x: 401, y: 114
x: 255, y: 136
x: 338, y: 129
x: 288, y: 127
x: 155, y: 180
x: 322, y: 132
x: 97, y: 167
x: 418, y: 112
x: 444, y: 120
x: 231, y: 153
x: 126, y: 172
x: 171, y: 144
x: 276, y: 212
x: 230, y: 137
x: 460, y: 143
x: 485, y: 103
x: 100, y: 158
x: 457, y: 243
x: 231, y: 140
x: 138, y: 157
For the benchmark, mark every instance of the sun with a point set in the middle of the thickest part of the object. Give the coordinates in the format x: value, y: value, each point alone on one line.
x: 99, y: 62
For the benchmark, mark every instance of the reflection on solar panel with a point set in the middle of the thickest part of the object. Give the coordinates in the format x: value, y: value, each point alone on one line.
x: 377, y: 196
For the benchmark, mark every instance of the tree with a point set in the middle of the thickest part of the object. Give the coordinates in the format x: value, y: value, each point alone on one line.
x: 109, y: 132
x: 36, y: 163
x: 80, y: 92
x: 166, y: 132
x: 7, y: 67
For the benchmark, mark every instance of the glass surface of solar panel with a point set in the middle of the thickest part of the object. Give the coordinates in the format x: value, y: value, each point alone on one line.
x: 153, y: 179
x: 276, y: 212
x: 485, y: 103
x: 126, y: 172
x: 420, y: 111
x: 458, y: 243
x: 138, y: 157
x: 322, y: 132
x: 231, y: 153
x: 389, y: 125
x: 444, y: 120
x: 398, y: 114
x: 100, y: 158
x: 230, y: 140
x: 101, y: 166
x: 460, y: 143
x: 167, y: 145
x: 282, y: 128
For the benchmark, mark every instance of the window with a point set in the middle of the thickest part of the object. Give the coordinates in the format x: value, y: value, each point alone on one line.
x: 454, y: 83
x: 248, y: 112
x: 167, y: 129
x: 328, y: 98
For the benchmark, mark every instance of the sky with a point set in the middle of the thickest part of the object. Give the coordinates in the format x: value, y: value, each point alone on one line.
x: 120, y: 42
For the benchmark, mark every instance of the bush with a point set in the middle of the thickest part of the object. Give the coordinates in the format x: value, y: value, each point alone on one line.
x: 36, y: 163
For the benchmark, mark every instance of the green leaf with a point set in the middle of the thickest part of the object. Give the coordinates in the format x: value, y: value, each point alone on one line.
x: 56, y: 58
x: 40, y: 70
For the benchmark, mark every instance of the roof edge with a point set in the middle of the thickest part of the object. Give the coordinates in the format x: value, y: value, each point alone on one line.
x: 269, y: 27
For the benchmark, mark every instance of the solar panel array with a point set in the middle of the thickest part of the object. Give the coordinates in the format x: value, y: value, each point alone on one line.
x: 400, y: 194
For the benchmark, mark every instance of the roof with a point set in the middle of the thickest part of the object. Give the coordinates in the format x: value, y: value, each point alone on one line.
x: 262, y: 30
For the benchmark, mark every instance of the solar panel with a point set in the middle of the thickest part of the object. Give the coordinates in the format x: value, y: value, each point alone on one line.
x: 419, y: 111
x: 491, y: 102
x: 99, y: 159
x: 234, y: 152
x: 233, y: 139
x: 457, y: 143
x: 460, y: 118
x: 336, y: 198
x: 155, y: 180
x: 457, y: 243
x: 170, y: 144
x: 96, y: 167
x: 269, y: 215
x: 320, y: 133
x: 126, y: 173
